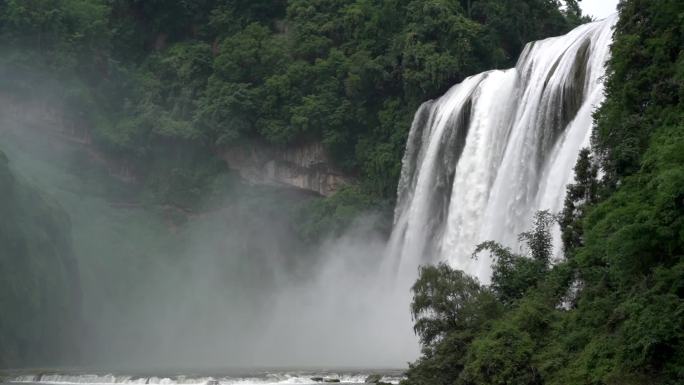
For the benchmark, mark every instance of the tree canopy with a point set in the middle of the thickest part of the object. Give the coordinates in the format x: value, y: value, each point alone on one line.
x: 159, y: 81
x: 611, y: 311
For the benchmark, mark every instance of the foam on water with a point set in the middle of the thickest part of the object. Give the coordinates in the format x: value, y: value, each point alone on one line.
x: 257, y: 379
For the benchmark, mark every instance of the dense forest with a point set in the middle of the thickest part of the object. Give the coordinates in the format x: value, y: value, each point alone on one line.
x: 161, y: 86
x: 611, y: 312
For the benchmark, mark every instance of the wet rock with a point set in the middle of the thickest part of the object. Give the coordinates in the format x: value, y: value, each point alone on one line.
x: 373, y: 379
x: 306, y: 166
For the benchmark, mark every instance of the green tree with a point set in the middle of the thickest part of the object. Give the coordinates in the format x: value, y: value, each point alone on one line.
x: 513, y: 274
x: 449, y: 309
x: 444, y: 300
x: 579, y: 195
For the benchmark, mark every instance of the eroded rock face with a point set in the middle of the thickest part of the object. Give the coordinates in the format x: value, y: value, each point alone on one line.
x: 31, y: 121
x: 306, y: 166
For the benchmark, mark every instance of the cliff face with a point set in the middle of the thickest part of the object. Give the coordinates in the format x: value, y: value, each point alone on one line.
x: 38, y: 121
x: 39, y: 280
x: 305, y: 167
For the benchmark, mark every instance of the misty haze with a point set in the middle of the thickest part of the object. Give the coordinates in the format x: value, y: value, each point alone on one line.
x: 412, y: 192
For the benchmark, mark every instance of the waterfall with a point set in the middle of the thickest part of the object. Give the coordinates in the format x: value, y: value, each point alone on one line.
x: 484, y: 157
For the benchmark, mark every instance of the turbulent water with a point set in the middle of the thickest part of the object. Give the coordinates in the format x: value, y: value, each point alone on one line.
x: 499, y: 146
x: 239, y: 378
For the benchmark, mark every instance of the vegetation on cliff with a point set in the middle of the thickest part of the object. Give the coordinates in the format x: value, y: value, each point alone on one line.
x: 611, y: 312
x: 163, y: 84
x: 39, y: 279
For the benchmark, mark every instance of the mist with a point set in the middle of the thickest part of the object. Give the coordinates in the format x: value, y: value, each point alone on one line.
x: 230, y: 286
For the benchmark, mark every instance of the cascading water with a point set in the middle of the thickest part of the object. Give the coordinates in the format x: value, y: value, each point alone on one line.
x: 496, y: 148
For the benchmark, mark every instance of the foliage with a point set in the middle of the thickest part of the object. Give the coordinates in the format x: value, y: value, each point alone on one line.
x: 318, y: 218
x: 449, y: 309
x: 611, y: 312
x: 513, y: 274
x: 141, y: 75
x: 580, y: 194
x: 443, y: 300
x: 456, y: 317
x: 39, y: 282
x: 644, y: 80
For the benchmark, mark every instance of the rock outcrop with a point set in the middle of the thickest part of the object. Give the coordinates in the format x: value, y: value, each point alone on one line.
x: 305, y: 166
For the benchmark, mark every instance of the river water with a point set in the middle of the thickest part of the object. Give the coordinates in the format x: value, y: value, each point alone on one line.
x: 204, y: 377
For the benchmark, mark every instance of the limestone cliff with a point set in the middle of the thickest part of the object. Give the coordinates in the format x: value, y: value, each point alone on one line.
x: 306, y: 166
